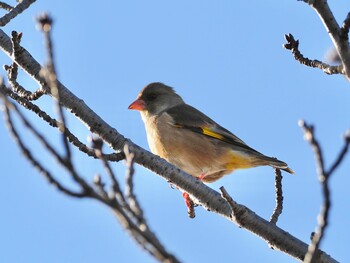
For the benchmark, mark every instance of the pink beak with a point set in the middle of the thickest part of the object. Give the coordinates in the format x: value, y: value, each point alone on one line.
x: 137, y: 105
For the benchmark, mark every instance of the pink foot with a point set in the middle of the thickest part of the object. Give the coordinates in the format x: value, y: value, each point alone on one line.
x: 189, y: 204
x: 201, y: 177
x: 187, y: 198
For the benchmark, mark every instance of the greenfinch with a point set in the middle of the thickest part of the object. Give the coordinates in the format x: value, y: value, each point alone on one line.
x: 192, y: 141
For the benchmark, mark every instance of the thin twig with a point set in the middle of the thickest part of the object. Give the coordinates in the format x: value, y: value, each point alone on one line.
x: 237, y: 212
x: 279, y: 197
x: 23, y: 5
x: 97, y: 144
x: 341, y: 155
x: 293, y: 45
x: 27, y: 153
x: 12, y: 73
x: 309, y: 135
x: 141, y: 232
x: 45, y: 22
x: 100, y: 186
x: 138, y: 228
x: 129, y: 187
x: 333, y: 29
x: 144, y: 237
x: 64, y: 162
x: 5, y: 6
x: 324, y: 178
x: 114, y: 157
x: 15, y: 41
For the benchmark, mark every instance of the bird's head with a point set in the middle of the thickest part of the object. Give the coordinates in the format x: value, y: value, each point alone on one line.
x: 156, y: 98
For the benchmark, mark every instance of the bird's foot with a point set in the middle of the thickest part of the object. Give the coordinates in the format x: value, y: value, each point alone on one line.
x: 201, y: 177
x: 190, y: 205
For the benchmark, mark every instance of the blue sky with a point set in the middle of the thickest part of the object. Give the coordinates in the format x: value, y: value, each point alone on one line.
x: 226, y: 59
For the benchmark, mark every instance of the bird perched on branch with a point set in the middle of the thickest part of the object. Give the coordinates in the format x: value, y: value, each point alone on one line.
x: 192, y: 141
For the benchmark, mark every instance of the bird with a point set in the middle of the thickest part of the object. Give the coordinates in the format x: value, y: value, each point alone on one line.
x: 190, y: 140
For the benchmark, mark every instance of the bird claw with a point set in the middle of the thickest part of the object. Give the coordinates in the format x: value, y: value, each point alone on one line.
x: 190, y: 205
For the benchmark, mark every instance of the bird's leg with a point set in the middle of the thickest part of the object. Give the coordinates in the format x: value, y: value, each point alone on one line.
x: 189, y: 204
x: 201, y: 177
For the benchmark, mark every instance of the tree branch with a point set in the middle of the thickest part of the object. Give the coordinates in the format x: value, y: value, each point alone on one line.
x: 340, y: 43
x: 324, y: 176
x: 27, y: 153
x: 12, y: 73
x: 135, y: 224
x: 13, y: 12
x: 5, y: 6
x: 342, y: 153
x: 344, y: 31
x: 114, y: 157
x: 210, y: 199
x: 45, y: 23
x: 293, y: 45
x: 279, y: 197
x: 133, y: 202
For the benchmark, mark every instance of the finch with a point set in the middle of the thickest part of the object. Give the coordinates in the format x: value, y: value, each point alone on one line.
x: 192, y: 141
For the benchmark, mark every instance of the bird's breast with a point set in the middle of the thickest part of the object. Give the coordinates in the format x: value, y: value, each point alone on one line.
x: 191, y: 152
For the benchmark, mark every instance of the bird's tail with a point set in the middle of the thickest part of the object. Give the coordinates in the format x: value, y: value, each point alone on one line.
x: 275, y: 163
x: 239, y: 160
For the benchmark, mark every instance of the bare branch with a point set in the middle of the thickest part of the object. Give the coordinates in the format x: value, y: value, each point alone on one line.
x: 12, y: 73
x: 100, y: 187
x: 130, y: 211
x: 5, y: 6
x: 324, y: 178
x: 309, y: 135
x: 341, y: 155
x: 140, y: 232
x: 293, y: 45
x: 207, y: 197
x: 344, y: 31
x: 23, y: 5
x: 236, y: 209
x: 134, y: 223
x: 144, y: 237
x: 115, y: 157
x: 67, y: 164
x: 64, y: 162
x: 27, y: 153
x: 130, y: 196
x: 340, y: 42
x: 45, y: 22
x: 279, y: 197
x: 97, y: 144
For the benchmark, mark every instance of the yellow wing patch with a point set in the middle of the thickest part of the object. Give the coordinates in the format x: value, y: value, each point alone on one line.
x: 213, y: 134
x: 234, y: 160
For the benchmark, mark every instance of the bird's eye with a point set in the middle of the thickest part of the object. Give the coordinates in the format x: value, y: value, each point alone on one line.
x: 152, y: 96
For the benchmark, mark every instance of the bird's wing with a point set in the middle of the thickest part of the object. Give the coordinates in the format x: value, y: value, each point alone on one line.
x: 186, y: 117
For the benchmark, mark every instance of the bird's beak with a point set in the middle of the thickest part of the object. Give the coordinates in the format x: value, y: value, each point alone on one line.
x: 137, y: 105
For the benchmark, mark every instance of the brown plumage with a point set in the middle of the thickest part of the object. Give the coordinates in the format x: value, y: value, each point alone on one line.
x: 192, y: 141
